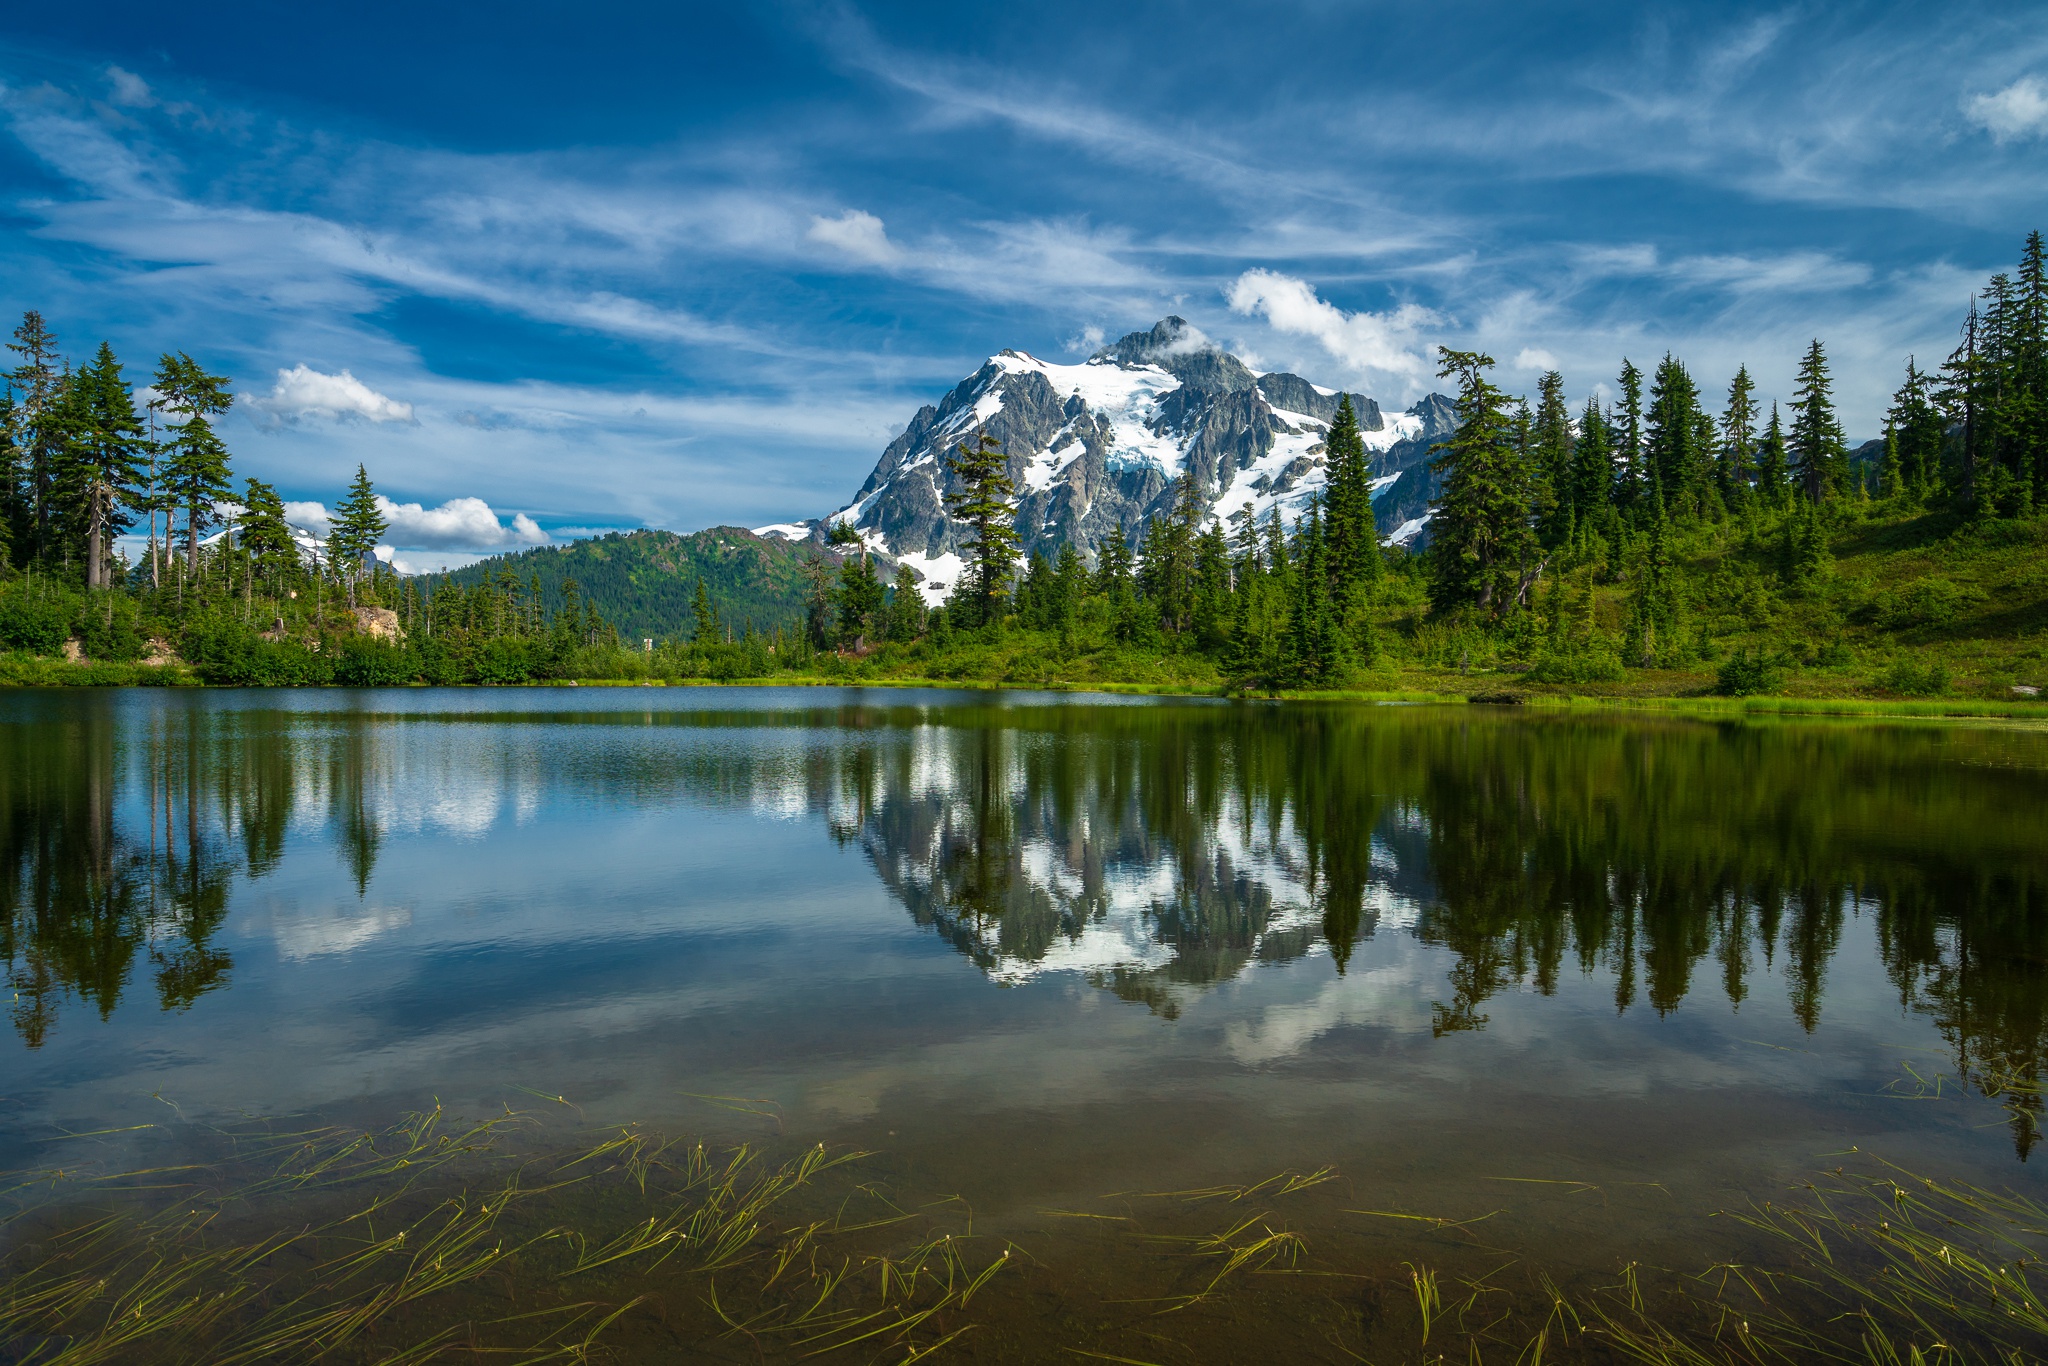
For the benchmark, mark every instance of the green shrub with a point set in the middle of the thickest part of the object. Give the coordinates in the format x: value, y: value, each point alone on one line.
x: 1908, y: 679
x: 1748, y: 674
x: 363, y: 663
x: 39, y: 627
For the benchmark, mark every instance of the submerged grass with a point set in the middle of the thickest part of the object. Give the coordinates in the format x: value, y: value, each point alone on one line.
x: 435, y: 1240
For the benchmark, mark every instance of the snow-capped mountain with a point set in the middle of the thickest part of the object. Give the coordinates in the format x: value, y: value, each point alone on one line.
x: 1098, y: 445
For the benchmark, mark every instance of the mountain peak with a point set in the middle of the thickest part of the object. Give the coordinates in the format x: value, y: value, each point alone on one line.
x: 1184, y: 351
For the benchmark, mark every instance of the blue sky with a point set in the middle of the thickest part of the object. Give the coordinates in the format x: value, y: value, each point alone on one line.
x: 610, y: 265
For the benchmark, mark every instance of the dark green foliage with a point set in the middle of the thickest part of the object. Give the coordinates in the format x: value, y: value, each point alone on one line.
x: 357, y: 527
x: 646, y: 581
x: 1482, y: 543
x: 1820, y: 458
x: 982, y: 499
x: 37, y: 624
x: 861, y: 598
x: 1551, y: 447
x: 1748, y: 673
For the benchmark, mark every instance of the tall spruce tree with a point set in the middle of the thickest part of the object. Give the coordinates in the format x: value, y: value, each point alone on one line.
x: 194, y: 474
x: 1481, y: 542
x: 1820, y: 457
x: 1350, y: 532
x: 266, y: 535
x: 1627, y: 432
x: 1592, y: 466
x: 102, y: 471
x: 352, y: 536
x: 1552, y: 442
x: 1676, y: 455
x: 983, y: 501
x: 1736, y: 467
x: 38, y: 384
x: 1773, y: 463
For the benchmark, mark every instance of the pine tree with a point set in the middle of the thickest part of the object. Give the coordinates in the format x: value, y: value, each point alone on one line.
x: 352, y: 536
x: 1353, y: 537
x: 1627, y: 433
x: 195, y: 474
x: 101, y: 472
x: 983, y: 501
x: 1737, y: 464
x: 1553, y: 450
x: 1676, y: 455
x: 1479, y: 524
x: 1773, y: 463
x: 1592, y: 466
x: 13, y: 508
x: 860, y: 601
x: 1917, y: 424
x: 704, y: 617
x: 38, y: 384
x: 1820, y: 458
x: 266, y: 535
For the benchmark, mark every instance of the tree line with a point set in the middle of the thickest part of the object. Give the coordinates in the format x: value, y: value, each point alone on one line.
x: 1538, y: 505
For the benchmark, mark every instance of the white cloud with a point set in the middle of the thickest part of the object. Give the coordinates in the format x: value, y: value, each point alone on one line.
x: 1384, y: 342
x: 858, y: 234
x: 458, y: 524
x: 305, y: 392
x: 1535, y: 358
x: 130, y: 90
x: 2018, y: 111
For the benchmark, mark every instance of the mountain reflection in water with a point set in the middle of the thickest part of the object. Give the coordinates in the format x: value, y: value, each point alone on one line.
x: 1156, y: 850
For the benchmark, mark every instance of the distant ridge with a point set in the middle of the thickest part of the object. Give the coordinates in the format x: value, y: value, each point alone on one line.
x: 644, y: 581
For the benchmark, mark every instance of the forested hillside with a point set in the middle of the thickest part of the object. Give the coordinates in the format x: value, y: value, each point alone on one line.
x: 644, y: 582
x: 1682, y: 539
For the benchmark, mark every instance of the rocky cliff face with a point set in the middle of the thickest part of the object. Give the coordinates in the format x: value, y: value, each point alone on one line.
x: 1097, y: 446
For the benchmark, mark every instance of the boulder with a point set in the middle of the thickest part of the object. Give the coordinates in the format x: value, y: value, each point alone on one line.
x: 379, y: 623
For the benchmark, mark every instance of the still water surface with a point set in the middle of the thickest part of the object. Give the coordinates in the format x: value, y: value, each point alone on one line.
x: 1034, y: 949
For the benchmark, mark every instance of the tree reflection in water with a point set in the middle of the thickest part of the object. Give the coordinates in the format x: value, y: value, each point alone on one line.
x: 1155, y: 850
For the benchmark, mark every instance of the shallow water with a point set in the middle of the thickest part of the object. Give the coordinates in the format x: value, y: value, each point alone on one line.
x: 1592, y: 976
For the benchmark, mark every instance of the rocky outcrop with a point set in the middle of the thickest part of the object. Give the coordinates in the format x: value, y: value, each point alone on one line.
x: 379, y: 623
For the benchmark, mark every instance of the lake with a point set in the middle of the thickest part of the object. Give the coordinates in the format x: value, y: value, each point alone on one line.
x: 1476, y: 992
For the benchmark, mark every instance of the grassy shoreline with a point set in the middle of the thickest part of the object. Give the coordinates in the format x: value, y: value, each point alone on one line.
x: 19, y: 671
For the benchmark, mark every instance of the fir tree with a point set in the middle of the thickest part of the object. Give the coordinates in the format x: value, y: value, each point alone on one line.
x: 1353, y: 537
x: 265, y: 532
x: 1737, y: 464
x: 1627, y: 434
x: 1553, y: 450
x: 1479, y: 524
x: 101, y: 473
x: 1592, y: 466
x: 1917, y: 424
x: 353, y: 534
x: 860, y: 600
x: 1676, y: 455
x: 1773, y: 464
x: 194, y: 476
x: 703, y: 616
x: 982, y: 500
x: 38, y: 385
x: 1820, y: 458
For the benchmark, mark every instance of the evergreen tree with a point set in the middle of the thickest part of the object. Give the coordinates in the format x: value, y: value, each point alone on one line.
x: 1592, y: 466
x: 1354, y: 542
x: 38, y: 385
x: 194, y: 475
x: 1627, y: 436
x: 1820, y: 458
x: 13, y: 507
x: 1069, y: 588
x: 1316, y: 649
x: 906, y: 605
x: 101, y: 473
x: 1553, y: 449
x: 266, y: 535
x: 1917, y: 424
x: 1676, y: 455
x: 1773, y: 464
x: 860, y: 601
x: 1736, y: 467
x: 703, y: 616
x: 983, y: 501
x: 1479, y: 527
x: 357, y: 526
